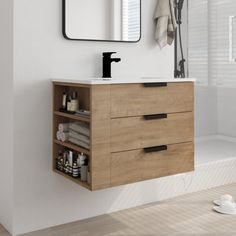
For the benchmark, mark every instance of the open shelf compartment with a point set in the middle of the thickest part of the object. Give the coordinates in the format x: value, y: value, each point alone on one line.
x: 62, y: 117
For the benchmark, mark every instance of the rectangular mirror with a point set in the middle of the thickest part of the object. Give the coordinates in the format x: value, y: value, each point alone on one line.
x: 102, y: 20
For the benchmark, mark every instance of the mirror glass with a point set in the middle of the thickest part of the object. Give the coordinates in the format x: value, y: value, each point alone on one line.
x: 104, y: 20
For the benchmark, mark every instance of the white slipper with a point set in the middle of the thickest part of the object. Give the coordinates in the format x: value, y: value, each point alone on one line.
x: 218, y: 202
x: 220, y: 210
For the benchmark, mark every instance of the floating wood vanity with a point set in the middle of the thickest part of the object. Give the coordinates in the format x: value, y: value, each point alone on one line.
x: 140, y: 129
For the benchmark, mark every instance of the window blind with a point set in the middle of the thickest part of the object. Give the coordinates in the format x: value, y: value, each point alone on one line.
x: 222, y: 71
x: 209, y: 42
x: 130, y: 20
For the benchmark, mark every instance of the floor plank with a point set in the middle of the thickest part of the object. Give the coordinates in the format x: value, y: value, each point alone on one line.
x: 3, y: 232
x: 186, y: 215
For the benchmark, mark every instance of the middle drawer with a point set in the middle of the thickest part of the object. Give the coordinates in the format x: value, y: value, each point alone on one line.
x: 147, y: 131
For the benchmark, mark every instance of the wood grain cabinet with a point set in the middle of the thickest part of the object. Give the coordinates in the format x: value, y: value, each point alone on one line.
x: 138, y: 131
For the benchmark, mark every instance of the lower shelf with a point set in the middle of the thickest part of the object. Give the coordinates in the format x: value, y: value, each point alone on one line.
x: 83, y: 184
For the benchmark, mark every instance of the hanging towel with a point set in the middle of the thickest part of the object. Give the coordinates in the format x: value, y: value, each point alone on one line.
x: 165, y: 22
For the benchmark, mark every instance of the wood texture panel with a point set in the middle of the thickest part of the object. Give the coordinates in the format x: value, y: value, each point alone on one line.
x: 135, y: 99
x: 136, y: 132
x: 136, y: 165
x: 100, y: 136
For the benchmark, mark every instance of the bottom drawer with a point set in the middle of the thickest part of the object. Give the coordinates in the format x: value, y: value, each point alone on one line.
x: 142, y: 164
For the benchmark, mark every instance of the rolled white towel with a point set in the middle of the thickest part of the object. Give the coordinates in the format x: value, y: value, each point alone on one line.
x: 58, y: 135
x: 64, y: 136
x: 63, y: 127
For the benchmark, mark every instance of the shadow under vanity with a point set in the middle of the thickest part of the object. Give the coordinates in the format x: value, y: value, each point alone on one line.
x: 131, y: 130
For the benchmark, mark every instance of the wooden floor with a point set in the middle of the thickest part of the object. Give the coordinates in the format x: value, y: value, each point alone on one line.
x: 3, y: 232
x: 182, y: 216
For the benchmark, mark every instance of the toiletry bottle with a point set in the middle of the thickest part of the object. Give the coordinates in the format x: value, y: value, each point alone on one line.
x: 65, y: 157
x: 70, y: 158
x: 75, y: 172
x: 58, y: 160
x: 69, y: 104
x: 74, y: 102
x: 66, y: 169
x: 61, y: 168
x: 88, y: 173
x: 81, y: 159
x: 64, y: 101
x: 84, y: 171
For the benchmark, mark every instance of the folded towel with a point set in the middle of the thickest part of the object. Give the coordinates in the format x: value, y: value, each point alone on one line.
x: 78, y: 142
x: 165, y: 22
x: 81, y: 137
x: 80, y: 127
x: 63, y: 127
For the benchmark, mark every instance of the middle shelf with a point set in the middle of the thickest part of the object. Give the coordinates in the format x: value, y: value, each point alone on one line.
x: 71, y: 116
x: 72, y: 146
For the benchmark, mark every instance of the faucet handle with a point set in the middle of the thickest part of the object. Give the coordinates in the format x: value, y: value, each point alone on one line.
x: 108, y: 53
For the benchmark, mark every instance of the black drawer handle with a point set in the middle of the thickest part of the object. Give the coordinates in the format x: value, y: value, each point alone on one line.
x: 155, y: 149
x: 151, y: 85
x: 155, y: 117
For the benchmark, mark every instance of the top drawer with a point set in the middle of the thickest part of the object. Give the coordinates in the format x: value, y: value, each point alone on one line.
x: 140, y: 99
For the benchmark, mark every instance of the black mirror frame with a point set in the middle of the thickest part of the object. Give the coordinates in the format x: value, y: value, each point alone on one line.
x: 96, y: 40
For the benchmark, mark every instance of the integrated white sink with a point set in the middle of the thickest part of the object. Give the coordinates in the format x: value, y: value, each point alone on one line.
x: 123, y: 80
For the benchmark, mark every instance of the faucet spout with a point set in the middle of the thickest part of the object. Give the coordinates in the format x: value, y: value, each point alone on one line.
x: 107, y: 60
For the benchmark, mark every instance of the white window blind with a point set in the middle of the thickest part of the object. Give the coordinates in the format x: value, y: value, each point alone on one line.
x: 223, y: 72
x: 209, y: 47
x: 130, y: 20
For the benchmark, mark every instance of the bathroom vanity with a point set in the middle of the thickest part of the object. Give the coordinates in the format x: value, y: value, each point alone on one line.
x: 140, y: 128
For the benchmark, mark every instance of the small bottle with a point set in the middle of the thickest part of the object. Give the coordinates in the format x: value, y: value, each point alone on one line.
x: 58, y: 160
x: 64, y: 101
x: 69, y: 104
x: 70, y: 170
x: 84, y: 173
x: 61, y: 168
x: 81, y: 159
x: 75, y: 172
x: 74, y: 102
x: 70, y: 158
x: 66, y: 169
x: 65, y: 157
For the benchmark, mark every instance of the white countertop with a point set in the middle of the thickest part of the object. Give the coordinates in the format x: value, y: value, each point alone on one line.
x: 123, y: 80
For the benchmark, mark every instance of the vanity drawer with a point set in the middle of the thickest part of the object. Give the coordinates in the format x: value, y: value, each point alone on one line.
x: 147, y: 131
x: 132, y: 166
x: 141, y: 99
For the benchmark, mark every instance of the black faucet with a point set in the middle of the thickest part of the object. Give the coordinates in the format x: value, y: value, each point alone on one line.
x: 107, y: 60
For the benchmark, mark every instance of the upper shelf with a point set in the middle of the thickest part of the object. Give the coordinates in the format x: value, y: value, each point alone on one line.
x: 127, y: 80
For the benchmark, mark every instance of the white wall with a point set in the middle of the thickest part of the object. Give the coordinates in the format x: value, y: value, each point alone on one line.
x: 6, y: 104
x: 227, y: 111
x: 206, y: 111
x: 42, y: 198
